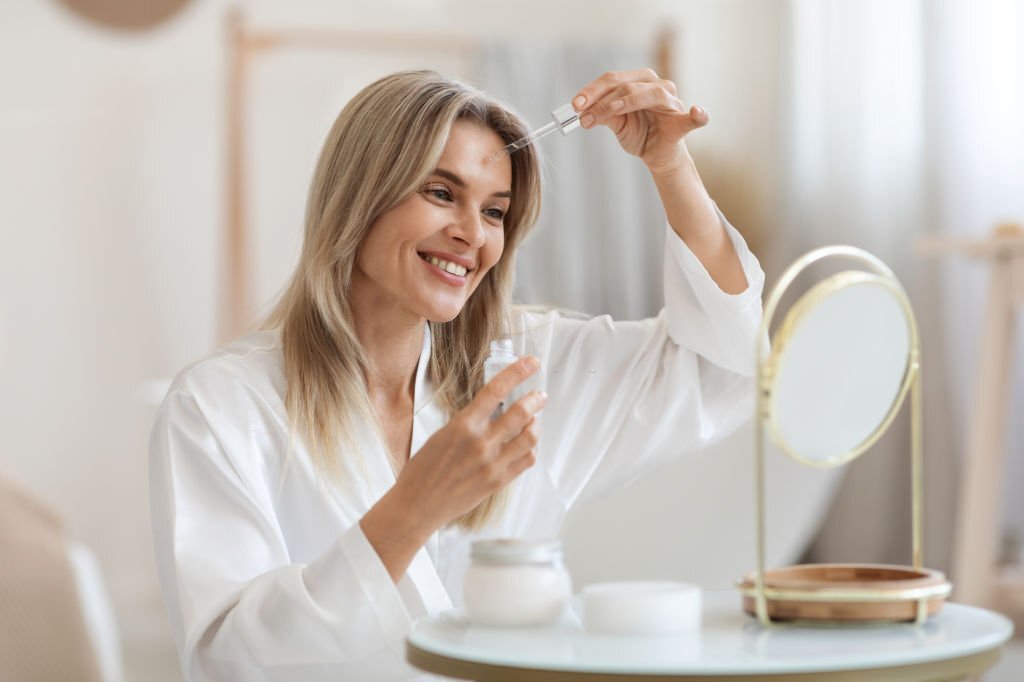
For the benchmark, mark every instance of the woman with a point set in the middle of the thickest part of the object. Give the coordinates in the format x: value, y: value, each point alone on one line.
x: 315, y: 485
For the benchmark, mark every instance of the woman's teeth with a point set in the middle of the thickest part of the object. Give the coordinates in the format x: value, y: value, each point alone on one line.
x: 453, y: 268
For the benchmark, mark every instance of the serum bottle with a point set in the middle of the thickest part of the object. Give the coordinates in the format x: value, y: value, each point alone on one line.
x: 502, y: 356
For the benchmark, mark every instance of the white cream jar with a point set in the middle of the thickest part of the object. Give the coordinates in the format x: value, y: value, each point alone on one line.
x: 516, y: 583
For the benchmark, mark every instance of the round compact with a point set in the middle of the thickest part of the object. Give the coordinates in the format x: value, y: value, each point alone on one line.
x: 847, y: 593
x: 516, y: 583
x: 641, y: 608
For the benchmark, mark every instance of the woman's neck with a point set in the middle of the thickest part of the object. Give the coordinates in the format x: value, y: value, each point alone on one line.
x: 393, y: 344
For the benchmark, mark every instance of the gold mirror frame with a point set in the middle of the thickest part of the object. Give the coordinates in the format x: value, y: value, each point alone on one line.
x: 767, y: 362
x: 808, y: 302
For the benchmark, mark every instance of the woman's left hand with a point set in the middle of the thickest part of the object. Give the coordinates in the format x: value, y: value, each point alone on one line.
x: 644, y: 113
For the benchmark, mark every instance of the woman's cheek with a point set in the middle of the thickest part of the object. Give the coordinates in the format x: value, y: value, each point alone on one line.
x: 480, y: 275
x: 498, y: 247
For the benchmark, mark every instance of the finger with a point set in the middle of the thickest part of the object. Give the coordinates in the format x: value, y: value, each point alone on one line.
x: 497, y: 389
x: 695, y: 118
x: 525, y: 440
x: 629, y: 98
x: 517, y: 417
x: 519, y: 465
x: 596, y: 89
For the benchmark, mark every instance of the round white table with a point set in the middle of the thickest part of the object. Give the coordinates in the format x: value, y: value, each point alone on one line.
x: 960, y: 641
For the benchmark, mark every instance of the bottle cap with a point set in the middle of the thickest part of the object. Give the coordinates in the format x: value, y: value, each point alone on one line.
x: 502, y: 347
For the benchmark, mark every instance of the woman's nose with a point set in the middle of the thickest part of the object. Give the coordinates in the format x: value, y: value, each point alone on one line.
x: 469, y: 228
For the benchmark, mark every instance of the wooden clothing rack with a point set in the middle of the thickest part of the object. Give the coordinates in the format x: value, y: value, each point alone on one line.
x: 976, y: 578
x: 246, y: 44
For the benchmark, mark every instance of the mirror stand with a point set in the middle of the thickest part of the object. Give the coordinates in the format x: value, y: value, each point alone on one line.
x: 852, y: 421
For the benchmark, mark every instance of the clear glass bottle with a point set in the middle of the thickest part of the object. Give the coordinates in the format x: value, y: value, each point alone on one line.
x: 502, y: 356
x: 516, y: 583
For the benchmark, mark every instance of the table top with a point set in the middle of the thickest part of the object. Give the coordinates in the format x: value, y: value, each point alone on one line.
x: 729, y: 643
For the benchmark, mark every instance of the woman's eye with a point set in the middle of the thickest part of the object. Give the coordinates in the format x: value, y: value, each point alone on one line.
x: 442, y: 194
x: 439, y: 193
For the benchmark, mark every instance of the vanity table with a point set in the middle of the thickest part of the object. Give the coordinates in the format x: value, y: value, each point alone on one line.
x: 960, y: 642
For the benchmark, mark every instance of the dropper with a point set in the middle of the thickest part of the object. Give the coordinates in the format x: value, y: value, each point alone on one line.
x: 564, y: 119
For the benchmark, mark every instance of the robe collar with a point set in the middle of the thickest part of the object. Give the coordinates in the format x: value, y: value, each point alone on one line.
x: 421, y: 585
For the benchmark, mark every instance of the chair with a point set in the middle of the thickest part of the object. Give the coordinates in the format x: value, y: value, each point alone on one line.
x: 56, y: 622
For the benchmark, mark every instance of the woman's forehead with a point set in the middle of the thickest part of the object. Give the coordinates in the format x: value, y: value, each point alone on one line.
x: 469, y: 153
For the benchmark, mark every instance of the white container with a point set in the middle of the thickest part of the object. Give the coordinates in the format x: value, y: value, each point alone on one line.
x: 642, y: 608
x: 516, y: 583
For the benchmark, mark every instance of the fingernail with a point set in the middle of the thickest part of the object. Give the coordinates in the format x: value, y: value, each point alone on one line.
x: 531, y: 362
x: 579, y: 102
x: 700, y: 111
x: 587, y: 121
x: 544, y: 396
x: 618, y: 104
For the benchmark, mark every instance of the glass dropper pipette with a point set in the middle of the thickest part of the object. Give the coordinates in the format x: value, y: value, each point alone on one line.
x: 564, y: 119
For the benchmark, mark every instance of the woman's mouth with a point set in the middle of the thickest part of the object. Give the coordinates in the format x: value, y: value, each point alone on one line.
x: 449, y: 273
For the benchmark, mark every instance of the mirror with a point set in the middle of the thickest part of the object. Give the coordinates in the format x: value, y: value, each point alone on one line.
x: 839, y: 368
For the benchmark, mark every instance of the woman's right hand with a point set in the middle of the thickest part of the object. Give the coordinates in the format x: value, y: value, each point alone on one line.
x: 466, y: 460
x: 473, y: 456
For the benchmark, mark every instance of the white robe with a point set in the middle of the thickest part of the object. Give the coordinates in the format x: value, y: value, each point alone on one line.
x: 267, y: 574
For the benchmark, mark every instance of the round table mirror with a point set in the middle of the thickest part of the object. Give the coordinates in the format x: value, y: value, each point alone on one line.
x: 839, y: 368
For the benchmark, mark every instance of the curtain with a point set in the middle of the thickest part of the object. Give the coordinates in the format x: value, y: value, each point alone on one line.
x: 976, y: 54
x: 901, y: 119
x: 601, y: 222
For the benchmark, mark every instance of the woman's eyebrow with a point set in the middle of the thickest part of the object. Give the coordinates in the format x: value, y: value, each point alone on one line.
x: 459, y: 182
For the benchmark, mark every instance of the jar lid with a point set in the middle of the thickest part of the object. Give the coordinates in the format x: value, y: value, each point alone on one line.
x: 516, y: 551
x: 641, y: 608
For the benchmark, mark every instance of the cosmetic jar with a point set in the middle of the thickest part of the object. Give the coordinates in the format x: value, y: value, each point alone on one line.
x: 516, y: 583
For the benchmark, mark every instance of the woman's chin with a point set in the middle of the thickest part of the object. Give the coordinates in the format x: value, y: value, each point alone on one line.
x: 443, y: 306
x: 442, y: 313
x: 443, y: 318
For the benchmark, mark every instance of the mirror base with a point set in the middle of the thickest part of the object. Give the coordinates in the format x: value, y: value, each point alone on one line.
x: 845, y: 594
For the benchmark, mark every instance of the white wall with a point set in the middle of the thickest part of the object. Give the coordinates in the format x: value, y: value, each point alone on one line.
x: 111, y: 163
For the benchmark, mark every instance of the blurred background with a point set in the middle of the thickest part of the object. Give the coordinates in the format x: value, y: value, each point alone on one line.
x: 155, y: 158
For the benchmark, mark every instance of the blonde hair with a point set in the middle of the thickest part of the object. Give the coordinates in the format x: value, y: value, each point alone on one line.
x: 380, y: 150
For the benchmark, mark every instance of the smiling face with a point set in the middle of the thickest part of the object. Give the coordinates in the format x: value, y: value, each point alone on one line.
x: 426, y: 256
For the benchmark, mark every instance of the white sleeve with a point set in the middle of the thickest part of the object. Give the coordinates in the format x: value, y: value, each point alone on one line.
x: 239, y: 608
x: 627, y: 396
